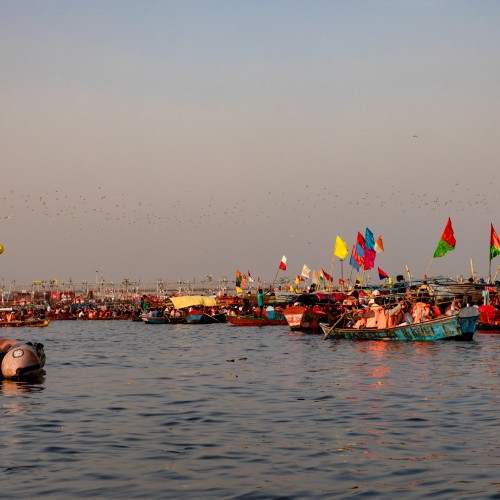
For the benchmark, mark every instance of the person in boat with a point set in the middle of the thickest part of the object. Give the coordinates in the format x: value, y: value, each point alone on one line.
x: 260, y: 301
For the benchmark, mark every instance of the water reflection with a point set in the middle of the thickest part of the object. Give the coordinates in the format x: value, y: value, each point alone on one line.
x: 15, y: 394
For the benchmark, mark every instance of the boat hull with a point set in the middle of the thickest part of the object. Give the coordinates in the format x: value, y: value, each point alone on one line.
x: 445, y: 328
x: 252, y: 321
x: 303, y: 318
x: 38, y: 323
x: 206, y: 319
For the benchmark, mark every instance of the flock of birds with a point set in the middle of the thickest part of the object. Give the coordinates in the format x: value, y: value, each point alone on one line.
x: 102, y: 211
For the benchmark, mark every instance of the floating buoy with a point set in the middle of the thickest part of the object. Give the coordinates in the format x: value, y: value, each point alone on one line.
x: 21, y: 360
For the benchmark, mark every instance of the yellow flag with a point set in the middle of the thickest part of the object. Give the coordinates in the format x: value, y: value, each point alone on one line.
x: 340, y: 250
x: 239, y: 290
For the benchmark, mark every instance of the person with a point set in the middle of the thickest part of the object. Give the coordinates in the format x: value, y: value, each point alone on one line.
x: 260, y: 301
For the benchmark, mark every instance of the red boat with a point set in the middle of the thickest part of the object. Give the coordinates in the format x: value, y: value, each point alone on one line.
x: 253, y: 321
x: 489, y: 319
x: 309, y: 310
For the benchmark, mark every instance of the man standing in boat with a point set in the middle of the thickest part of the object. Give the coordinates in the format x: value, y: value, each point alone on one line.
x: 260, y: 301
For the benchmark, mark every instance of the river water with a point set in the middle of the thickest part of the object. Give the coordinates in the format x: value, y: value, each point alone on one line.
x: 129, y: 410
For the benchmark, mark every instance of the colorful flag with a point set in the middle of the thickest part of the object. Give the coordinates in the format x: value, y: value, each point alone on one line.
x: 369, y: 240
x: 315, y: 278
x: 382, y: 274
x: 306, y: 272
x: 447, y: 241
x: 326, y: 275
x: 340, y: 249
x: 283, y: 263
x: 360, y: 240
x: 243, y: 281
x: 238, y: 278
x: 298, y: 279
x: 494, y: 244
x: 239, y: 290
x: 341, y: 282
x: 352, y: 261
x: 359, y: 254
x: 379, y: 245
x: 250, y: 279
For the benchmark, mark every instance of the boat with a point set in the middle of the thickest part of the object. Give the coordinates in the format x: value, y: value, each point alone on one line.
x: 310, y: 310
x: 195, y: 309
x: 489, y: 318
x: 30, y: 322
x: 460, y: 326
x: 250, y: 320
x: 155, y: 320
x: 21, y: 360
x: 197, y: 316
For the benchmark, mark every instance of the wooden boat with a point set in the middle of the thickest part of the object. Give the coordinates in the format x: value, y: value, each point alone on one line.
x: 309, y: 311
x: 456, y: 327
x: 249, y: 320
x: 489, y: 319
x: 155, y: 320
x: 21, y: 360
x: 205, y: 318
x: 30, y: 322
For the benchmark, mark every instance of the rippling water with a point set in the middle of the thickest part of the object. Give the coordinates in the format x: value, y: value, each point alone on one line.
x: 128, y: 410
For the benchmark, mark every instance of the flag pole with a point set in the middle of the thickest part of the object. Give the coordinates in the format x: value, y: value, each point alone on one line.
x: 342, y: 273
x: 472, y: 270
x: 408, y: 272
x: 427, y: 270
x: 276, y: 277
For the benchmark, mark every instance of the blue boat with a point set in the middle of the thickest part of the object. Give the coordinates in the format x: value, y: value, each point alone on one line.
x: 457, y: 327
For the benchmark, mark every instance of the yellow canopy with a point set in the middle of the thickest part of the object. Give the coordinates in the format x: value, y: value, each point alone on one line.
x: 190, y: 301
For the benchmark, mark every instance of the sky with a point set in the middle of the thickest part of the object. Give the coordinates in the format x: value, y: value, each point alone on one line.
x: 180, y: 139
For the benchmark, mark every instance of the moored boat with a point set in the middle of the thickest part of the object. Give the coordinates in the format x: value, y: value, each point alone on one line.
x: 455, y: 327
x: 250, y: 320
x: 310, y: 310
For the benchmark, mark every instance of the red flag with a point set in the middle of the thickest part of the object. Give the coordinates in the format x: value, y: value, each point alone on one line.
x: 360, y: 240
x: 494, y: 244
x: 341, y: 281
x: 283, y: 263
x: 382, y: 274
x: 326, y: 276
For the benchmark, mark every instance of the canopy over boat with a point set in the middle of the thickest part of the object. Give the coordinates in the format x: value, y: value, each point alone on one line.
x: 190, y: 301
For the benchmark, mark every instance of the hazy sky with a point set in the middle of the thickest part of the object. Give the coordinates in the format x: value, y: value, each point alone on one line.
x: 176, y: 139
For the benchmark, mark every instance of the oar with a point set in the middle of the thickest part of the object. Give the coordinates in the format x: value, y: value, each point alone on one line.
x: 334, y: 325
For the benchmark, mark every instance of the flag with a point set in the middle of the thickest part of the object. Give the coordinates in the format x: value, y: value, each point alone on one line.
x: 238, y: 278
x: 315, y: 278
x: 326, y: 275
x: 369, y: 240
x: 239, y: 290
x: 360, y: 240
x: 250, y: 279
x: 447, y: 241
x: 306, y: 272
x: 283, y: 263
x: 243, y: 281
x: 341, y: 282
x: 353, y: 262
x: 379, y: 245
x: 298, y: 279
x: 382, y: 274
x: 494, y: 244
x: 340, y: 249
x: 359, y: 254
x: 321, y: 275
